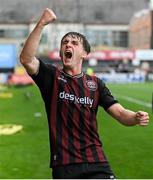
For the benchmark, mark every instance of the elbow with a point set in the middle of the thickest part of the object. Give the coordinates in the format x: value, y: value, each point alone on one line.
x: 117, y: 111
x: 22, y: 58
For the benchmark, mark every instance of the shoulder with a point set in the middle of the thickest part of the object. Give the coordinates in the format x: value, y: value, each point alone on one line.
x: 96, y: 79
x: 48, y: 67
x: 46, y: 70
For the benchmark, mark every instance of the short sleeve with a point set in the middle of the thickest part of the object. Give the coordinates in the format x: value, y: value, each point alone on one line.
x: 106, y: 97
x: 44, y: 79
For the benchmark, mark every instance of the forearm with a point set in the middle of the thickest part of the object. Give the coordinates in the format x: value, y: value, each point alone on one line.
x: 128, y: 117
x: 31, y: 45
x: 28, y: 53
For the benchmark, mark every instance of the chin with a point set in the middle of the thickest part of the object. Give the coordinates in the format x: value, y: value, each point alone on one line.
x: 67, y: 63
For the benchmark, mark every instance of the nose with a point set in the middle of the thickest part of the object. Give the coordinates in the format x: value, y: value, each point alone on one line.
x: 68, y: 44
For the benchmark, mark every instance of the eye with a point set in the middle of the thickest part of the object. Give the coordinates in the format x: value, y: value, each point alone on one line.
x: 65, y: 42
x: 74, y: 42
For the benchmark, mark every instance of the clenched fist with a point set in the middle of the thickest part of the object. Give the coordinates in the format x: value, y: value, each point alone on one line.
x: 47, y: 17
x: 142, y: 118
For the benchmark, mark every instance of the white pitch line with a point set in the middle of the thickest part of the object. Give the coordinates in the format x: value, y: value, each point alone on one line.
x: 136, y: 101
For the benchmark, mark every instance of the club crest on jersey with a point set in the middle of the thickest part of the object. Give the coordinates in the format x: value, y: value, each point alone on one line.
x: 91, y: 85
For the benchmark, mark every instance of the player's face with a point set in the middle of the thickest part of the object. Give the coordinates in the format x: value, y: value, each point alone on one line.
x: 72, y: 52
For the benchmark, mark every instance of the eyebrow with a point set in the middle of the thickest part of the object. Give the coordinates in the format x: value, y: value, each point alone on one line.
x: 75, y: 38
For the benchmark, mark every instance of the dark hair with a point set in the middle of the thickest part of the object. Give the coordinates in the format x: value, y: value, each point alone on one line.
x: 86, y: 44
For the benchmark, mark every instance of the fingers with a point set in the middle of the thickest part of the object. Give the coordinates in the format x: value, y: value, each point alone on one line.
x: 142, y: 118
x: 47, y: 17
x: 50, y: 13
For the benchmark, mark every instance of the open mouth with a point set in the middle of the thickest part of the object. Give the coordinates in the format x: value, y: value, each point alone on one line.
x: 68, y: 54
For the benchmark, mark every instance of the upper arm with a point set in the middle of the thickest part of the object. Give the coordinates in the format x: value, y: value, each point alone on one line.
x: 31, y: 67
x: 116, y: 111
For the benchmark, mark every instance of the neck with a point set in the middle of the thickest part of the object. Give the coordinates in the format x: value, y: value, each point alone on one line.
x: 72, y: 72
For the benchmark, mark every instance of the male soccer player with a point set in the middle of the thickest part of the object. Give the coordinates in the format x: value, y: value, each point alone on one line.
x: 71, y: 100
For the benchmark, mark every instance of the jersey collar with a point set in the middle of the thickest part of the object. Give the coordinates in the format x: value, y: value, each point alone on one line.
x: 75, y: 76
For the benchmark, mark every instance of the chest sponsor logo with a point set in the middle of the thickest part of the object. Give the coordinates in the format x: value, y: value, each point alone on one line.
x: 78, y: 100
x: 91, y: 85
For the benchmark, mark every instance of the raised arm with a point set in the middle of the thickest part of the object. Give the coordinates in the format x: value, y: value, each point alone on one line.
x: 28, y: 53
x: 128, y: 117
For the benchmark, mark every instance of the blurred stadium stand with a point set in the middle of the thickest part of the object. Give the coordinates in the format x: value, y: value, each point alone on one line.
x: 104, y: 22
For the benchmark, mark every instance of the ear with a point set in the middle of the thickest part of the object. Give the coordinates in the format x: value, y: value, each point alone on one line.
x: 84, y: 56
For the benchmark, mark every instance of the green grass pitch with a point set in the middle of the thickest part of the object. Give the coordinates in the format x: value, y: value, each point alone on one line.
x: 25, y: 155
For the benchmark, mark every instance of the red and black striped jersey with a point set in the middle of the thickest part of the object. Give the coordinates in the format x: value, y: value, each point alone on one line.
x: 71, y: 104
